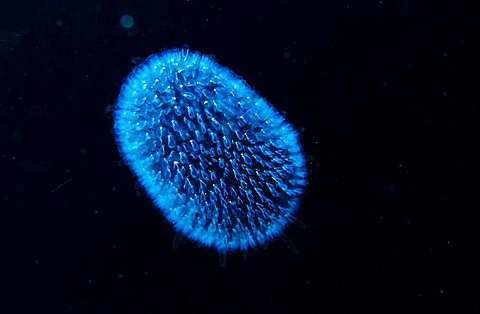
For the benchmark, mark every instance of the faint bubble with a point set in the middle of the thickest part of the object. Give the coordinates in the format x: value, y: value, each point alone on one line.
x: 126, y: 21
x: 17, y: 136
x: 35, y: 111
x: 44, y: 43
x: 83, y: 151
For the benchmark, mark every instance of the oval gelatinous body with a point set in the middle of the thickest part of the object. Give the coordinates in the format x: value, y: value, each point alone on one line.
x: 220, y: 162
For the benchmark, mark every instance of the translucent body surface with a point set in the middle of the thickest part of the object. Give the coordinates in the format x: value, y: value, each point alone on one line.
x: 220, y: 162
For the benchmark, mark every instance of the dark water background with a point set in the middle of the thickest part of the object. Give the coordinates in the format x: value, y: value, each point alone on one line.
x: 382, y: 89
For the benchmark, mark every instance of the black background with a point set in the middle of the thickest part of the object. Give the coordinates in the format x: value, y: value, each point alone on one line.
x: 381, y: 89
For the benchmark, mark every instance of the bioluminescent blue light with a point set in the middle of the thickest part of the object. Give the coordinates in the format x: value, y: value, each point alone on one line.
x: 220, y: 162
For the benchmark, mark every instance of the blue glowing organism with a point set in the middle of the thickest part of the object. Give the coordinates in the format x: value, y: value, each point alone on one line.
x: 221, y: 163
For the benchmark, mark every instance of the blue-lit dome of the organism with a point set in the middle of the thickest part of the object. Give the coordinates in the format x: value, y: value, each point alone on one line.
x: 219, y: 161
